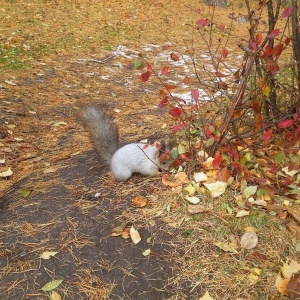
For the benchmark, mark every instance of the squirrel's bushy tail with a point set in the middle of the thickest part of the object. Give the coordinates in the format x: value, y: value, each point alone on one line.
x: 104, y: 133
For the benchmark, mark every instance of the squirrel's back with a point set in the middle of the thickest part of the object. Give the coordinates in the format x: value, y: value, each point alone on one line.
x: 104, y: 133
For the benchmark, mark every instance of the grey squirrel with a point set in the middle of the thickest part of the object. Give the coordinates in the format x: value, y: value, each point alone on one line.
x: 123, y: 161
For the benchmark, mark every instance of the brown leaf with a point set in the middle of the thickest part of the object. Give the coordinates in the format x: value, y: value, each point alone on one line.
x: 117, y: 231
x: 223, y: 175
x: 139, y: 201
x: 195, y: 209
x: 293, y: 289
x: 168, y: 180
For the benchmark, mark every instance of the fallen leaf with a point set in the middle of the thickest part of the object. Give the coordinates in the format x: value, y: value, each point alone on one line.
x: 139, y: 201
x: 293, y: 288
x: 249, y: 191
x: 55, y: 296
x: 135, y: 236
x: 167, y: 180
x: 48, y: 254
x: 25, y: 193
x: 51, y: 169
x: 195, y: 209
x: 290, y: 268
x: 223, y: 175
x: 192, y: 200
x: 242, y: 213
x: 207, y: 296
x: 51, y: 285
x: 249, y: 240
x: 290, y: 173
x: 6, y: 173
x: 217, y: 188
x: 200, y: 177
x: 182, y: 177
x: 227, y: 247
x: 190, y: 189
x: 117, y: 231
x: 147, y: 252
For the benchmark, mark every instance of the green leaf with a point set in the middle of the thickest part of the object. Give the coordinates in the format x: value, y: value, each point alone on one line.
x: 51, y: 285
x: 174, y: 154
x: 261, y: 192
x: 209, y: 142
x: 249, y: 191
x: 181, y: 149
x: 279, y: 157
x: 25, y: 193
x: 138, y: 64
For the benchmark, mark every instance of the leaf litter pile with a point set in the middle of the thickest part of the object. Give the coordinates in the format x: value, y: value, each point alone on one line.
x: 68, y: 231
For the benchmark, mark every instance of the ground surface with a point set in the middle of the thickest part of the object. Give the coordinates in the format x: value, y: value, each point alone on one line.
x: 51, y: 53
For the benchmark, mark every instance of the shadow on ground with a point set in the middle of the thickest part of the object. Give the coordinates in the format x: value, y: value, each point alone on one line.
x: 67, y: 218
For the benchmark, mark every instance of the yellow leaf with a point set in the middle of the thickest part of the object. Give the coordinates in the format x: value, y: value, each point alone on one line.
x: 207, y: 296
x: 6, y: 173
x: 242, y: 213
x: 55, y: 296
x: 48, y: 254
x: 147, y: 252
x: 217, y: 188
x: 227, y: 247
x: 290, y: 268
x: 51, y: 285
x: 266, y: 90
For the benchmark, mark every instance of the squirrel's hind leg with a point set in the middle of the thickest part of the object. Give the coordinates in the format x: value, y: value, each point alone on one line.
x: 121, y: 174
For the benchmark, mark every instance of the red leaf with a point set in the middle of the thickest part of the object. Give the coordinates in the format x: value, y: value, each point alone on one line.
x: 287, y: 12
x: 162, y: 93
x: 175, y: 112
x: 268, y: 50
x: 165, y: 70
x: 165, y: 47
x: 286, y: 123
x: 202, y: 22
x: 274, y: 33
x: 256, y: 107
x: 297, y: 131
x: 149, y: 67
x: 252, y: 45
x: 277, y: 50
x: 272, y: 65
x: 176, y: 163
x: 217, y: 161
x: 258, y: 38
x: 171, y: 87
x: 267, y: 135
x: 287, y: 41
x: 174, y: 56
x: 195, y: 94
x: 224, y: 52
x: 184, y: 157
x: 219, y: 74
x: 221, y: 27
x: 178, y: 127
x: 145, y: 76
x: 164, y: 102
